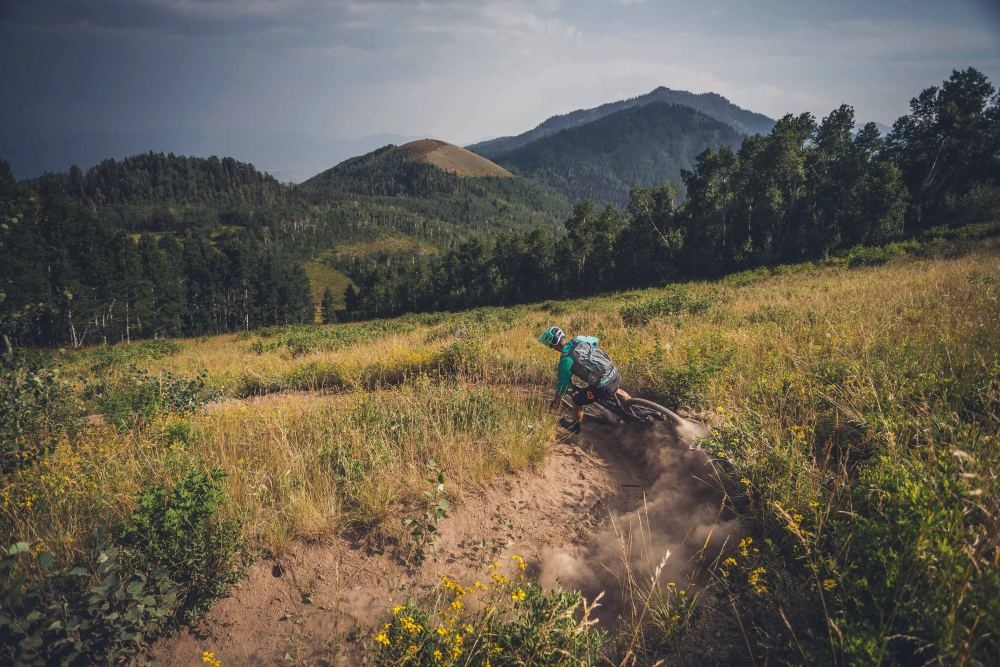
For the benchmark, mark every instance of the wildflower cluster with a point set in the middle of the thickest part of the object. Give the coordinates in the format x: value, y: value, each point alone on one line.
x: 503, y: 621
x: 209, y: 659
x: 745, y: 558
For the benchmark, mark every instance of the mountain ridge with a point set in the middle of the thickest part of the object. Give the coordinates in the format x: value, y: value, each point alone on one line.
x: 638, y: 146
x: 711, y: 104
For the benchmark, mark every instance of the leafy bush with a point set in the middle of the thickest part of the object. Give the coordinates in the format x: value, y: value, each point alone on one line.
x: 34, y: 411
x: 177, y: 529
x: 136, y: 397
x: 868, y: 256
x: 127, y: 354
x: 171, y: 559
x: 302, y: 340
x: 685, y: 384
x: 672, y: 303
x: 99, y: 612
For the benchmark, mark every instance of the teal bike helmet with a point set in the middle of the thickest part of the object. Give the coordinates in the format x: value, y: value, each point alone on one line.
x: 551, y: 336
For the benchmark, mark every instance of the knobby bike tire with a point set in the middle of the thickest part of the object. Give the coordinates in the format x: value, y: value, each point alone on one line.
x: 649, y: 412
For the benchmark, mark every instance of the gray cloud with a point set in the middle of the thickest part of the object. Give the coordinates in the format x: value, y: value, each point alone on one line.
x: 461, y: 70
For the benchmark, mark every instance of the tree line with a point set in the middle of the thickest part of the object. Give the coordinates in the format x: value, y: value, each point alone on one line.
x: 802, y: 192
x: 70, y: 277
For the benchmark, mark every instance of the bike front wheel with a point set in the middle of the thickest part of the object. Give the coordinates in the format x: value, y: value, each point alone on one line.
x: 648, y: 412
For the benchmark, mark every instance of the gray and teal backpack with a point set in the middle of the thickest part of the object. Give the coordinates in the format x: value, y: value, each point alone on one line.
x: 591, y: 362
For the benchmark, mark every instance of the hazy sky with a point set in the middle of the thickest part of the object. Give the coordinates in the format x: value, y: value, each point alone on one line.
x: 464, y: 71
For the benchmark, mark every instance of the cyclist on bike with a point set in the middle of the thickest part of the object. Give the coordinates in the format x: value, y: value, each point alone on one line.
x: 580, y: 356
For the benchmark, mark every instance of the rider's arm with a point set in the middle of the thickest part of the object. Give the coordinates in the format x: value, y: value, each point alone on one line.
x: 564, y: 375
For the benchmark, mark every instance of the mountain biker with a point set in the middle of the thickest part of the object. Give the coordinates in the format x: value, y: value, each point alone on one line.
x: 580, y: 356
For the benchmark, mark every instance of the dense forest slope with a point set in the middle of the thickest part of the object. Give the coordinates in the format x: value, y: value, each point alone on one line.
x: 164, y: 245
x: 603, y: 160
x: 710, y: 104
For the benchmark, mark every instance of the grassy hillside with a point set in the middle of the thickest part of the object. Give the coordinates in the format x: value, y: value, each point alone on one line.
x: 858, y: 422
x: 453, y: 159
x: 322, y: 277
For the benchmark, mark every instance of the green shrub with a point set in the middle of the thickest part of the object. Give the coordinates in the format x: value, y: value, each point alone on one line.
x: 98, y: 612
x: 868, y: 256
x: 672, y: 303
x: 136, y: 397
x: 304, y: 339
x: 170, y: 560
x: 127, y: 354
x: 34, y: 411
x: 177, y: 529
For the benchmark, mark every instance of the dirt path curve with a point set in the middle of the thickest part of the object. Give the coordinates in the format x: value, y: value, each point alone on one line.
x: 567, y: 519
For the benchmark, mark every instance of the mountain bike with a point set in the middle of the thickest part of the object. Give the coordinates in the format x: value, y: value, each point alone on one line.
x: 615, y: 411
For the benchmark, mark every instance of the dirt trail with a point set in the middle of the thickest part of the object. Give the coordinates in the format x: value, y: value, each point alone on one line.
x: 568, y: 519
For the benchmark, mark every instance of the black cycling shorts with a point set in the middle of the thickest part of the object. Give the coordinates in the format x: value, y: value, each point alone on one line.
x: 590, y: 394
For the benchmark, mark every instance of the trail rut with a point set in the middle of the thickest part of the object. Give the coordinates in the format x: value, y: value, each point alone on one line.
x: 599, y: 497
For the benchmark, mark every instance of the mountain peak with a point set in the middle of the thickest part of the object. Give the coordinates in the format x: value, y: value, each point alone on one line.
x: 711, y: 104
x: 452, y: 158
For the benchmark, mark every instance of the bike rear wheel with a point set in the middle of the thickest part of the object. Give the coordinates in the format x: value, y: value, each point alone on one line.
x: 648, y: 412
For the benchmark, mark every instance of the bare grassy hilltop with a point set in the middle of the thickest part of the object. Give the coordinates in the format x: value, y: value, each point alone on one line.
x: 397, y: 489
x: 452, y: 158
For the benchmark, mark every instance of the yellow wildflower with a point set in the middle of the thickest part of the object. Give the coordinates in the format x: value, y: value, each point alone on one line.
x: 398, y: 608
x: 209, y: 659
x: 745, y: 546
x: 829, y: 584
x: 518, y: 595
x: 410, y: 625
x: 755, y: 582
x: 382, y: 638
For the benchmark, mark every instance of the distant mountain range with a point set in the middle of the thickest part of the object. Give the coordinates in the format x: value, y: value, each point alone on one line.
x: 711, y: 104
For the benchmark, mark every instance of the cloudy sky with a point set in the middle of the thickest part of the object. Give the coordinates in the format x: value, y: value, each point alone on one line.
x: 256, y: 76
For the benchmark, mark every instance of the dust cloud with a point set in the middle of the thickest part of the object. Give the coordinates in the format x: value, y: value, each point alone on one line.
x: 667, y: 524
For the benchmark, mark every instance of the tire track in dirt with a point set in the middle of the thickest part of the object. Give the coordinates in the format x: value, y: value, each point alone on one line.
x: 319, y: 602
